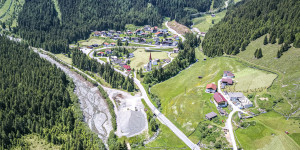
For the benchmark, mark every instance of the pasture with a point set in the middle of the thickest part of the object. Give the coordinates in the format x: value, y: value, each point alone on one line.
x: 141, y: 57
x: 91, y: 41
x: 64, y: 58
x: 204, y: 22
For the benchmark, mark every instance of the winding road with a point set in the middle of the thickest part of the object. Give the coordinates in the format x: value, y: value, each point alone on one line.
x: 174, y: 32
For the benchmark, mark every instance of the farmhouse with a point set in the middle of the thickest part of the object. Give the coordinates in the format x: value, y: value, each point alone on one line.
x: 226, y: 81
x: 105, y: 44
x: 100, y: 54
x: 90, y: 47
x: 108, y: 51
x: 112, y: 44
x: 210, y: 115
x: 228, y: 74
x: 238, y: 98
x: 175, y: 50
x: 176, y: 37
x: 138, y: 31
x: 127, y: 68
x: 235, y: 96
x: 97, y: 33
x: 154, y: 30
x: 211, y: 88
x: 158, y: 34
x: 220, y: 100
x: 130, y: 55
x: 147, y: 28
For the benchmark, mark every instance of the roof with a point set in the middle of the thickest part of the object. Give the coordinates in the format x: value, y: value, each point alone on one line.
x: 211, y: 115
x: 211, y: 86
x: 107, y: 50
x: 150, y: 58
x: 101, y: 53
x: 126, y: 67
x: 105, y: 43
x: 113, y: 43
x: 158, y: 33
x: 219, y: 97
x: 235, y: 94
x: 227, y: 80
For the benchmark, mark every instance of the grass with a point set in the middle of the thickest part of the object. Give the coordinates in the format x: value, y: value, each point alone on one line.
x: 251, y: 79
x: 204, y: 22
x: 141, y: 57
x: 57, y: 9
x: 64, y: 58
x: 140, y: 45
x: 286, y: 86
x: 162, y: 49
x: 9, y: 12
x: 268, y: 133
x: 183, y: 97
x: 92, y: 41
x: 37, y: 143
x: 174, y: 55
x: 103, y: 59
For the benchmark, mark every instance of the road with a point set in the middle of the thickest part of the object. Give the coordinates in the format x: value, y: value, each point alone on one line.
x: 174, y: 32
x: 228, y: 123
x: 164, y: 120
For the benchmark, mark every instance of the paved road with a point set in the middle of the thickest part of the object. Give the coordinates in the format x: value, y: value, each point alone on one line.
x: 164, y: 120
x: 174, y: 32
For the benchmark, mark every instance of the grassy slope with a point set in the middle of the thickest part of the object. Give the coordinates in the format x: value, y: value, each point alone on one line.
x: 57, y: 9
x: 260, y: 136
x: 12, y: 12
x: 141, y: 57
x: 37, y: 143
x: 64, y: 58
x: 204, y: 22
x: 287, y: 67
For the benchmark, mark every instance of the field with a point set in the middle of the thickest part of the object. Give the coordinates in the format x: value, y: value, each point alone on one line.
x: 37, y: 143
x: 269, y: 133
x: 287, y: 67
x: 161, y: 49
x: 64, y: 58
x: 141, y: 57
x: 9, y: 12
x: 92, y: 41
x: 183, y: 97
x: 174, y: 55
x: 251, y: 79
x: 204, y: 22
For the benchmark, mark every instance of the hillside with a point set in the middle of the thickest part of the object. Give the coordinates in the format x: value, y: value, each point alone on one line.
x: 251, y: 19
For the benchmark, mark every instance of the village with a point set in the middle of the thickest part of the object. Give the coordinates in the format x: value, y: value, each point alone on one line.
x: 118, y: 48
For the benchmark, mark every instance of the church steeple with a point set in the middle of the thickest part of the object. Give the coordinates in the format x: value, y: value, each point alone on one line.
x: 150, y: 58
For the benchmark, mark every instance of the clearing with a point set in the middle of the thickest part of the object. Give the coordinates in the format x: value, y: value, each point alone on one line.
x: 64, y: 58
x: 204, y: 22
x: 91, y: 41
x: 141, y: 57
x: 179, y: 28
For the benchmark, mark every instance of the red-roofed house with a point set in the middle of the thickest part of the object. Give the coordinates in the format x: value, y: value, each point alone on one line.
x: 108, y: 51
x: 226, y: 81
x: 219, y: 98
x: 100, y: 54
x: 112, y: 44
x: 228, y: 74
x: 159, y: 34
x: 126, y: 67
x: 105, y: 44
x: 211, y: 88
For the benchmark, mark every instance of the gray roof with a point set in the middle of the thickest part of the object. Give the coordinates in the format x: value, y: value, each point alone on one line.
x: 211, y: 115
x: 236, y: 94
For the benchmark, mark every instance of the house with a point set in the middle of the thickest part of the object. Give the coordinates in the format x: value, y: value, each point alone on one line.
x: 154, y: 29
x: 147, y: 28
x: 239, y: 98
x: 166, y: 43
x: 158, y: 34
x: 175, y: 43
x: 222, y: 112
x: 97, y: 33
x: 169, y: 39
x: 90, y: 47
x: 235, y: 96
x: 228, y: 74
x: 213, y: 15
x: 165, y: 31
x: 220, y: 100
x: 95, y: 45
x: 119, y: 32
x: 111, y: 31
x: 118, y: 61
x: 127, y: 68
x: 131, y: 55
x: 105, y: 44
x: 176, y: 37
x: 144, y: 34
x: 167, y: 60
x: 226, y: 81
x: 100, y: 54
x: 156, y: 39
x: 175, y: 50
x: 138, y: 31
x: 210, y: 115
x: 112, y: 44
x: 114, y: 58
x: 211, y: 88
x: 129, y: 33
x: 157, y: 43
x: 108, y: 51
x: 155, y: 62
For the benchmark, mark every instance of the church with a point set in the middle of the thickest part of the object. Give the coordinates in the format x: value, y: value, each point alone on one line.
x: 148, y: 67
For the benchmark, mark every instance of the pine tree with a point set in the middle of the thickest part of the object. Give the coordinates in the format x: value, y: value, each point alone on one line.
x: 255, y: 53
x: 126, y: 43
x: 266, y: 40
x: 119, y: 42
x: 279, y: 53
x: 273, y: 41
x: 280, y: 41
x: 259, y: 53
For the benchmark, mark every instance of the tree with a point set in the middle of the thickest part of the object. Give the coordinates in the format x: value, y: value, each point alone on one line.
x: 126, y: 43
x: 266, y: 40
x: 280, y: 41
x: 259, y: 53
x: 279, y: 53
x: 119, y: 42
x: 212, y: 21
x: 273, y: 41
x: 165, y: 36
x: 153, y: 125
x: 141, y: 73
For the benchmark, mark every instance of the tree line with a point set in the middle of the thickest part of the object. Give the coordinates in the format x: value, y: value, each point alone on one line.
x: 35, y: 98
x: 185, y: 58
x: 106, y: 71
x: 39, y: 22
x: 251, y: 19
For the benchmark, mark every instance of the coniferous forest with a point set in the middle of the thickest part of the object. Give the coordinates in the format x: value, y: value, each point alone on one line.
x: 35, y: 99
x: 51, y: 28
x: 251, y: 19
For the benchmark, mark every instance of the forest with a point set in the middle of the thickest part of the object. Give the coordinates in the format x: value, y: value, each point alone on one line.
x: 36, y: 98
x: 106, y: 71
x: 251, y: 19
x: 39, y: 22
x: 185, y: 58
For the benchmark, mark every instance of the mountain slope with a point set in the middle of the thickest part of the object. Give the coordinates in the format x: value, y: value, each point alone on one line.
x: 251, y: 19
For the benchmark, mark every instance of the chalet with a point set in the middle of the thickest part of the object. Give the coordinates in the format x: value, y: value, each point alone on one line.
x: 156, y: 39
x: 143, y: 40
x: 119, y: 32
x: 124, y: 40
x: 114, y: 57
x: 222, y: 112
x: 211, y: 88
x: 166, y: 43
x: 210, y: 115
x: 147, y: 28
x: 157, y: 43
x: 150, y: 42
x: 90, y: 47
x: 220, y: 100
x: 144, y: 34
x: 127, y: 68
x: 97, y: 33
x: 112, y: 44
x: 159, y: 34
x: 235, y: 96
x: 106, y: 44
x: 103, y: 33
x: 129, y: 33
x: 111, y: 31
x: 175, y: 50
x: 138, y: 31
x: 108, y: 51
x: 100, y: 54
x: 176, y: 37
x: 228, y: 74
x: 117, y: 61
x: 169, y: 39
x: 175, y: 43
x: 154, y: 29
x: 226, y: 81
x: 165, y: 31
